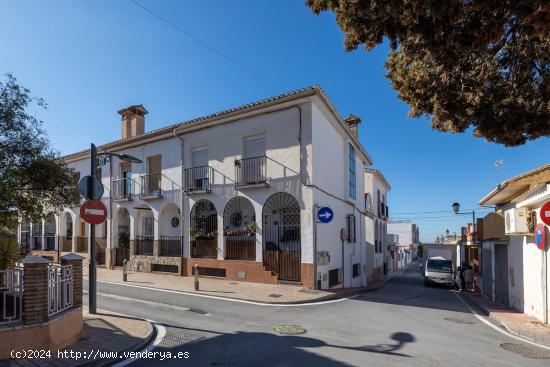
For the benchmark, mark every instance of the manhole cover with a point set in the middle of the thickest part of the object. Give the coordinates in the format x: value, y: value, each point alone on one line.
x: 459, y: 321
x: 177, y: 339
x: 289, y: 329
x: 526, y: 350
x: 274, y: 295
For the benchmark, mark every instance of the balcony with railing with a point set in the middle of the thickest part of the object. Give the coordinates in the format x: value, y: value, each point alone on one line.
x: 151, y: 186
x: 198, y: 179
x: 144, y: 245
x: 251, y: 172
x: 123, y: 189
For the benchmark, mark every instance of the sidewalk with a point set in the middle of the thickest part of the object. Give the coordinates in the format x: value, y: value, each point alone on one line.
x: 103, y: 332
x: 515, y: 322
x: 255, y: 292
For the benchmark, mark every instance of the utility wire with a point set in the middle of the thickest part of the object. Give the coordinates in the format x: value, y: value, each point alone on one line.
x: 204, y: 44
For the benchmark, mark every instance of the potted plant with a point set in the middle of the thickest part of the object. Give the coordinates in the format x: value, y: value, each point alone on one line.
x: 251, y: 228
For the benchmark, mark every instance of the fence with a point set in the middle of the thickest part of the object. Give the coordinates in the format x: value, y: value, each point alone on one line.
x: 170, y: 246
x: 151, y: 185
x: 240, y: 247
x: 11, y: 288
x: 144, y: 245
x: 251, y: 171
x: 204, y: 247
x: 198, y: 178
x: 60, y: 288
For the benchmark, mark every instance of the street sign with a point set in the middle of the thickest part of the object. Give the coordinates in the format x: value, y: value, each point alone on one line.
x: 540, y: 236
x: 90, y: 188
x: 545, y: 213
x: 93, y: 212
x: 325, y: 214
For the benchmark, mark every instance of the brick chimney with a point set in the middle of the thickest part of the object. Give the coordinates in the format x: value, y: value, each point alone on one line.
x: 353, y: 122
x: 133, y: 121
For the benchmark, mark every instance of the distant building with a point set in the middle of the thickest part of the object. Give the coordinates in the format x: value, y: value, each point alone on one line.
x: 409, y: 239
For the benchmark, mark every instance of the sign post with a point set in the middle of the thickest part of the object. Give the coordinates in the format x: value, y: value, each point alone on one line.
x: 91, y: 267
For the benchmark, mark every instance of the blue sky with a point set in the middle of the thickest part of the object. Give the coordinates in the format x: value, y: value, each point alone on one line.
x: 89, y: 59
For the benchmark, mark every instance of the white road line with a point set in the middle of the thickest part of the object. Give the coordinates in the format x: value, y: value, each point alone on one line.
x: 230, y: 299
x: 488, y: 323
x: 138, y: 300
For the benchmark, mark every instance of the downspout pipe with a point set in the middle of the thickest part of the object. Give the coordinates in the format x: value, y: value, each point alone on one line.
x: 182, y: 241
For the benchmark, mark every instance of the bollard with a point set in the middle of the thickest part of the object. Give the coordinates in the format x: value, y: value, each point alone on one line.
x: 196, y: 267
x: 125, y: 270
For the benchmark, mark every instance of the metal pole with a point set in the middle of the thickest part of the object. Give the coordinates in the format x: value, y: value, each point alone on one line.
x: 91, y: 262
x: 196, y: 267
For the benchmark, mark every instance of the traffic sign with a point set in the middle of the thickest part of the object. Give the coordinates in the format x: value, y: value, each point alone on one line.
x: 540, y: 236
x: 93, y: 212
x: 325, y: 214
x: 545, y: 213
x: 90, y: 188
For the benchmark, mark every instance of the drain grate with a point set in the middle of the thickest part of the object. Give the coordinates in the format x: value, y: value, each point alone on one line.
x: 275, y: 295
x: 526, y: 350
x: 289, y: 329
x: 176, y: 339
x: 459, y: 321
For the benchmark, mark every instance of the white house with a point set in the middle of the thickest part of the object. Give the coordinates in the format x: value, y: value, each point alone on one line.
x: 236, y: 192
x: 409, y: 238
x: 514, y: 270
x: 376, y: 205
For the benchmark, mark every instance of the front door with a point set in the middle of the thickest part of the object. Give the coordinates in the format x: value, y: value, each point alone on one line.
x: 501, y: 273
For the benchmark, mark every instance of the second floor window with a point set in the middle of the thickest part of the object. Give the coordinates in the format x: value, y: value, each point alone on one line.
x: 351, y: 172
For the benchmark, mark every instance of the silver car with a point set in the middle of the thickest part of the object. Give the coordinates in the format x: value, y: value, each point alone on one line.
x: 439, y: 270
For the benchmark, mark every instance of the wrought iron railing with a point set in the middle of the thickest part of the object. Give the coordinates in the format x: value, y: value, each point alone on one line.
x: 60, y: 288
x: 151, y: 185
x: 123, y: 189
x: 206, y: 247
x: 49, y: 242
x: 11, y: 291
x: 66, y: 243
x: 170, y: 246
x: 240, y: 247
x: 198, y: 178
x: 144, y: 245
x: 251, y: 171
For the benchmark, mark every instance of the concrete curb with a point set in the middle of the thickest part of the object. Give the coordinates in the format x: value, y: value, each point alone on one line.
x: 494, y: 316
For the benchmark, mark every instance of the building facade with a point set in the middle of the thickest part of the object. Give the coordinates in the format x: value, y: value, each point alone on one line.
x: 409, y: 238
x: 235, y: 192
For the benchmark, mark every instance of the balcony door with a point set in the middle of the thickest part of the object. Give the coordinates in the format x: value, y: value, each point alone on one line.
x: 154, y: 166
x: 199, y: 174
x: 126, y: 169
x: 253, y: 164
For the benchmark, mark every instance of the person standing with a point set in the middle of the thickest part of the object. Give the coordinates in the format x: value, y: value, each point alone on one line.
x: 461, y: 276
x: 468, y: 278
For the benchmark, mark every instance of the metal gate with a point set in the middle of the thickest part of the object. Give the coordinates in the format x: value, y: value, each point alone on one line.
x: 501, y: 273
x: 281, y: 234
x: 487, y: 262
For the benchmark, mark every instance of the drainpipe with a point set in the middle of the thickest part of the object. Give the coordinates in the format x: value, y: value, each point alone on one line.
x: 181, y: 201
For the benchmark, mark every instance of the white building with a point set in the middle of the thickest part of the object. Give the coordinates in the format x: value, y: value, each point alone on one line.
x: 235, y: 192
x: 376, y: 205
x: 409, y: 239
x: 514, y: 270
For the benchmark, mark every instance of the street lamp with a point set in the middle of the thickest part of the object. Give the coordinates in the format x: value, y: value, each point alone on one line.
x: 456, y: 209
x: 100, y: 159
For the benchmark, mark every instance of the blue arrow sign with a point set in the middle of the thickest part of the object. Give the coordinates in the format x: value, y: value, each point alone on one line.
x: 538, y: 236
x: 325, y: 214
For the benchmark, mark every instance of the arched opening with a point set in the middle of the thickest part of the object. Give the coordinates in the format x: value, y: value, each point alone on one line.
x: 204, y: 230
x: 66, y: 232
x: 121, y: 236
x: 36, y: 235
x: 239, y: 229
x: 49, y: 233
x: 281, y: 236
x: 170, y: 231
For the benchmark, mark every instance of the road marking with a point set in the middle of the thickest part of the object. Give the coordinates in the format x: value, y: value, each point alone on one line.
x: 488, y: 323
x: 139, y: 300
x: 230, y: 299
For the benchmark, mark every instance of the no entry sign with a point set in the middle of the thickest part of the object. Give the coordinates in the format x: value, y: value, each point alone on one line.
x: 93, y: 212
x: 545, y: 213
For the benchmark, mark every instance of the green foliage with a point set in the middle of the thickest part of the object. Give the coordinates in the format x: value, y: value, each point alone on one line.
x: 481, y: 64
x: 9, y: 253
x: 34, y: 182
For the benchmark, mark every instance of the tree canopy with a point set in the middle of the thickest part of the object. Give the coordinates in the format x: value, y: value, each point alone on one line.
x: 34, y: 182
x: 480, y: 63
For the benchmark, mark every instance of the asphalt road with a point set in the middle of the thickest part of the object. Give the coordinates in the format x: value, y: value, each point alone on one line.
x: 403, y: 324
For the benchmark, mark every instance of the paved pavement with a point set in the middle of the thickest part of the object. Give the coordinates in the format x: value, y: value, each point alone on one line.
x: 104, y: 332
x: 401, y: 324
x: 514, y: 321
x: 256, y: 292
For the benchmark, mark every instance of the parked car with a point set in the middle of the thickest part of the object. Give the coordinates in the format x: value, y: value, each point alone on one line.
x: 439, y: 270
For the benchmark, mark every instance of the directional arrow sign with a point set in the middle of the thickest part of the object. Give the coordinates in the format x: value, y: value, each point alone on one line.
x: 325, y: 214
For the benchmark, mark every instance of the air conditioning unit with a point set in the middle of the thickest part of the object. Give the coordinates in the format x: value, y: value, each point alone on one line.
x: 516, y: 221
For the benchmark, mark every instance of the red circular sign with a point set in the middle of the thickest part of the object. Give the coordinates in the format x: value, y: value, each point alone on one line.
x: 545, y: 213
x: 540, y: 236
x: 93, y: 212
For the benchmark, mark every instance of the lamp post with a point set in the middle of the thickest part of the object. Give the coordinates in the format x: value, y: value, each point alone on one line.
x: 456, y: 209
x: 99, y: 159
